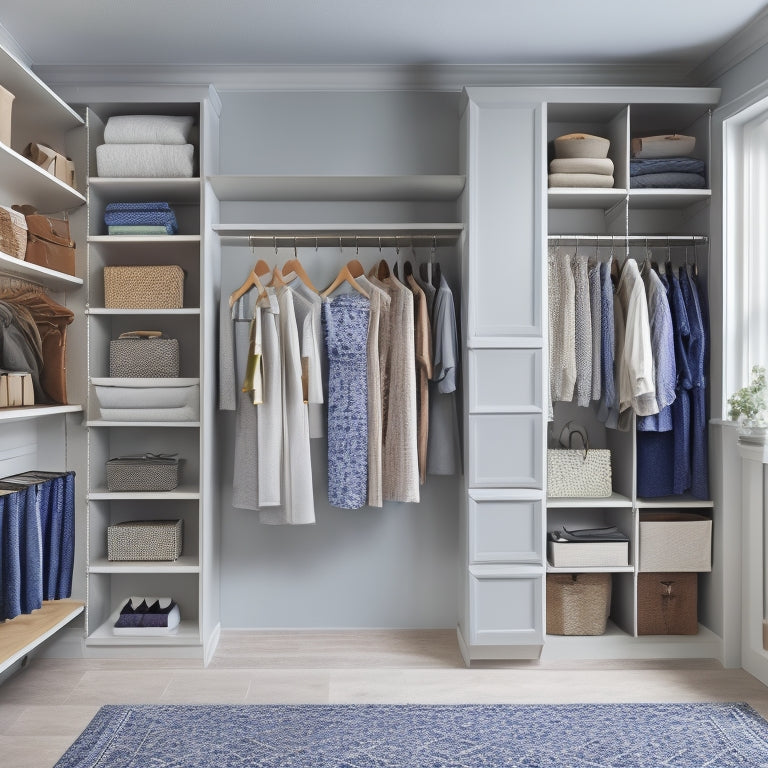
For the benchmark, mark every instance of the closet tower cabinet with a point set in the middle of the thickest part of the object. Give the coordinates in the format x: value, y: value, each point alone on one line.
x: 191, y: 580
x: 511, y: 219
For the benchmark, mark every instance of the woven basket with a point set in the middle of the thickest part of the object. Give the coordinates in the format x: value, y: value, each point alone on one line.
x: 144, y: 287
x: 578, y: 603
x: 13, y: 232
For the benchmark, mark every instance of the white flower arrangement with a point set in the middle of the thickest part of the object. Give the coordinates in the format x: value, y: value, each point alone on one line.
x: 750, y: 403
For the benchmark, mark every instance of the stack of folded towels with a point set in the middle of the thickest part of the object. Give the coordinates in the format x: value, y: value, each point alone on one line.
x: 664, y: 162
x: 147, y: 146
x: 581, y: 160
x: 140, y: 219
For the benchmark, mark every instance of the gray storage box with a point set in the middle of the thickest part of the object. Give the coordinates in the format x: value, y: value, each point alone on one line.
x: 145, y: 540
x: 149, y: 472
x: 144, y: 354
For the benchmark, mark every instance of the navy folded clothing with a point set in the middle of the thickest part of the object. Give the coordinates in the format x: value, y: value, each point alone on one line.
x: 638, y: 166
x: 667, y: 181
x: 166, y: 219
x: 141, y: 206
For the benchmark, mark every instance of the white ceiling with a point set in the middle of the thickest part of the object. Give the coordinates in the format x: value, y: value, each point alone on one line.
x: 396, y: 32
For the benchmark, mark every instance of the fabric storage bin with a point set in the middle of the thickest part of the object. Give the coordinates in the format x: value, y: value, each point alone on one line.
x: 578, y: 603
x: 145, y: 540
x: 148, y: 399
x: 144, y: 287
x: 6, y: 107
x: 675, y: 540
x: 667, y: 604
x: 600, y: 554
x: 13, y: 232
x: 144, y: 354
x: 150, y: 472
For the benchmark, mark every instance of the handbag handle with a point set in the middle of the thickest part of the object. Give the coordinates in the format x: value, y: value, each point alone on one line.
x: 571, y: 429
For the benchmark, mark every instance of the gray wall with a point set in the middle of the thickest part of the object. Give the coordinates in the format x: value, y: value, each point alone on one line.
x: 393, y: 567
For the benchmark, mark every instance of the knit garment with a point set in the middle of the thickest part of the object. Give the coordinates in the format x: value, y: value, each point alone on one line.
x: 608, y: 402
x: 345, y: 320
x: 562, y: 329
x: 595, y: 301
x: 583, y: 322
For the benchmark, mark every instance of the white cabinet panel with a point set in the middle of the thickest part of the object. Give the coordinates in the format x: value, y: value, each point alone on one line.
x: 506, y: 609
x: 505, y: 180
x: 504, y: 380
x: 505, y: 451
x: 505, y: 531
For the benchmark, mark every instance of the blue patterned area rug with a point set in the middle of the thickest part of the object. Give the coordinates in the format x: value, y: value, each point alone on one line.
x: 423, y: 736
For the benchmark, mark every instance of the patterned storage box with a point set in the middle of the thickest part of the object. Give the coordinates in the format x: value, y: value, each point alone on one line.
x: 149, y: 472
x: 144, y: 287
x: 145, y: 540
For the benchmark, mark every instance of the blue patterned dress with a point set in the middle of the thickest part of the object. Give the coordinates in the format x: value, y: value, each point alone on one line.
x: 345, y: 323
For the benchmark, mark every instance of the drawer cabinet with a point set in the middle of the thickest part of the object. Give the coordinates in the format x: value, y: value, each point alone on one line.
x: 506, y: 530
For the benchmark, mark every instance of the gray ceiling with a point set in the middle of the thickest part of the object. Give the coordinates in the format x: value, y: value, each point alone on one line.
x: 398, y: 32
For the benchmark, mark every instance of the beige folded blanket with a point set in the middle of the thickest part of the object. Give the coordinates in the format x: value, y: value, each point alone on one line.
x: 601, y: 165
x: 580, y: 180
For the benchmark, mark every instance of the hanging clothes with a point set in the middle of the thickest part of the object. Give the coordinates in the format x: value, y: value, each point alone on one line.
x: 379, y: 305
x: 400, y: 464
x: 595, y: 308
x: 562, y: 330
x: 444, y: 451
x: 608, y: 410
x: 345, y: 320
x: 583, y: 329
x: 423, y: 348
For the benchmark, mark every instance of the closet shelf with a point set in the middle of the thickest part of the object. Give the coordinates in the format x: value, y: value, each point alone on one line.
x: 329, y: 188
x: 36, y: 411
x: 187, y: 633
x: 49, y: 278
x: 106, y: 311
x: 32, y: 184
x: 678, y: 502
x: 576, y: 197
x: 152, y: 240
x: 21, y: 635
x: 182, y: 492
x: 614, y: 500
x: 164, y: 424
x: 593, y: 569
x: 185, y: 564
x: 667, y: 198
x: 174, y: 190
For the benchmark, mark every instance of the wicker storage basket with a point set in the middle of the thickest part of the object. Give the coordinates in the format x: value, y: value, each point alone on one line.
x: 149, y: 472
x: 667, y: 604
x: 578, y: 603
x: 6, y: 104
x: 144, y: 287
x: 13, y: 232
x: 675, y: 541
x: 145, y: 540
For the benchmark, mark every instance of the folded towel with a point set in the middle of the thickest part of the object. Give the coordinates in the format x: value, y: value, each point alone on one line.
x: 639, y: 166
x: 668, y: 145
x: 580, y: 180
x: 602, y: 165
x: 667, y: 181
x: 140, y: 229
x: 148, y: 129
x: 149, y: 206
x: 152, y: 218
x: 145, y: 160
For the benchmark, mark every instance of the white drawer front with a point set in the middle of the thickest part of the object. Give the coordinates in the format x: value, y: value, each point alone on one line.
x: 506, y: 610
x: 506, y: 531
x: 506, y: 451
x: 504, y: 380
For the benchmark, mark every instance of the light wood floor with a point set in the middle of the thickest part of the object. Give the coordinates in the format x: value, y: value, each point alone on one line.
x: 44, y: 707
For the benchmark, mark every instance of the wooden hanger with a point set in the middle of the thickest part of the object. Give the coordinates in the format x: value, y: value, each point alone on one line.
x: 355, y: 268
x: 382, y: 271
x: 344, y: 276
x: 252, y: 281
x: 294, y: 265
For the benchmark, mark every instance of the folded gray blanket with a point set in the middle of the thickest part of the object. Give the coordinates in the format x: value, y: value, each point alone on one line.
x: 667, y: 181
x: 148, y: 129
x: 145, y: 160
x: 638, y: 166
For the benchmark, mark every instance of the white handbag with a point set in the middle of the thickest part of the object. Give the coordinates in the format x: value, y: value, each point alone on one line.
x: 578, y: 472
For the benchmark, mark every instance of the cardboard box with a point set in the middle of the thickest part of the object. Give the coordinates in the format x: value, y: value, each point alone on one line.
x: 52, y: 161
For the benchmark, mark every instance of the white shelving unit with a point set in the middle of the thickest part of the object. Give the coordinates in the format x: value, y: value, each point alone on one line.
x: 43, y: 437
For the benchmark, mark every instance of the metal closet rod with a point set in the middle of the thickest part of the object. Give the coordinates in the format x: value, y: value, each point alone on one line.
x: 664, y: 239
x: 336, y: 238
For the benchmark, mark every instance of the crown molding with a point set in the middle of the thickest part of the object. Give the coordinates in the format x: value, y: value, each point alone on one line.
x: 744, y: 43
x: 10, y: 44
x: 449, y: 77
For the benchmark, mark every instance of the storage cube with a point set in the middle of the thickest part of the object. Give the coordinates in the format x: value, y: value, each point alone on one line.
x: 675, y: 541
x: 576, y: 554
x: 578, y: 603
x: 148, y: 399
x: 145, y: 540
x: 667, y: 604
x: 144, y: 287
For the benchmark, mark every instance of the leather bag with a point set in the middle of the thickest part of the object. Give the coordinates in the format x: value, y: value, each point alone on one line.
x: 48, y: 241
